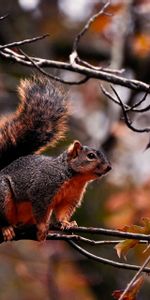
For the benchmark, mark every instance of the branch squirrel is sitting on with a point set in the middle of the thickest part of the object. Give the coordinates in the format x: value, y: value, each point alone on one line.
x: 33, y: 186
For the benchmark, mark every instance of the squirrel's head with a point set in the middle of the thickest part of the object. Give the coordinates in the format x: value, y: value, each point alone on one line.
x: 83, y: 159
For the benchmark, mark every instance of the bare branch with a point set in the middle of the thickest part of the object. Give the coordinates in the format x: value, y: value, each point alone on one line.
x: 52, y: 76
x: 4, y: 17
x: 74, y: 57
x: 27, y: 41
x: 103, y: 231
x: 107, y: 94
x: 127, y: 121
x: 135, y: 277
x: 86, y: 69
x: 87, y: 25
x: 127, y: 107
x: 107, y: 70
x: 29, y: 232
x: 140, y: 102
x: 90, y: 73
x: 74, y: 237
x: 104, y: 260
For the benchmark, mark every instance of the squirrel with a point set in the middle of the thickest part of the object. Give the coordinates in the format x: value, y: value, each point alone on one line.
x: 32, y: 185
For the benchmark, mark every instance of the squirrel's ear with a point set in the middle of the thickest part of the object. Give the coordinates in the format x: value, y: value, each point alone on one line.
x: 74, y: 149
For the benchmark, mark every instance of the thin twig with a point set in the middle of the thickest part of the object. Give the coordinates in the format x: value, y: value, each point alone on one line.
x: 27, y: 41
x: 87, y: 25
x: 53, y: 76
x: 75, y: 237
x: 104, y: 260
x: 4, y: 17
x: 90, y: 73
x: 107, y: 70
x: 74, y: 57
x: 140, y: 110
x: 29, y: 232
x: 142, y: 268
x: 127, y: 107
x: 140, y: 102
x: 103, y: 231
x: 127, y: 121
x: 107, y: 94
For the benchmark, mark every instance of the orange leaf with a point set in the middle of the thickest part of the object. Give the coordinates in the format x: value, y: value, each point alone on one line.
x: 141, y: 44
x: 123, y: 247
x: 132, y: 292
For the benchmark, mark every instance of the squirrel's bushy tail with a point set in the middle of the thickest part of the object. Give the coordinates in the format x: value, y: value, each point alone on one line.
x: 39, y: 120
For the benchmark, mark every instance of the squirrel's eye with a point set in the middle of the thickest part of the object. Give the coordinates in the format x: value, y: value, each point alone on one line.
x: 91, y: 155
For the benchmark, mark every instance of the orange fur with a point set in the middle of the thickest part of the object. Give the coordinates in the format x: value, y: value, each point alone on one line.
x: 63, y: 204
x: 24, y: 213
x: 69, y: 196
x: 18, y: 213
x: 10, y: 209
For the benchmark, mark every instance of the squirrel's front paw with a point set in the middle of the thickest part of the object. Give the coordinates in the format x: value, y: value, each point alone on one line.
x: 67, y: 224
x: 8, y: 233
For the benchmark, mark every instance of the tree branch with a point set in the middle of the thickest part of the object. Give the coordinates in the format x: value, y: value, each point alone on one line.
x: 74, y: 55
x: 4, y: 17
x: 127, y: 107
x: 140, y: 102
x: 82, y: 70
x: 77, y: 66
x: 105, y: 260
x: 126, y: 118
x: 129, y: 285
x: 52, y: 76
x: 29, y: 232
x: 104, y: 231
x: 27, y: 41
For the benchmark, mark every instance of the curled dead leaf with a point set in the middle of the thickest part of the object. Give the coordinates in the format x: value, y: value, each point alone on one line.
x: 132, y: 292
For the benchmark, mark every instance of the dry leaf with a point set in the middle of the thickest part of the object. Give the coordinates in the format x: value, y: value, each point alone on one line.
x: 132, y: 292
x: 123, y: 247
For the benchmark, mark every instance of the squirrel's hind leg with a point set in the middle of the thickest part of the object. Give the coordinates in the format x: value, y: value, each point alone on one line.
x: 7, y: 208
x: 42, y: 218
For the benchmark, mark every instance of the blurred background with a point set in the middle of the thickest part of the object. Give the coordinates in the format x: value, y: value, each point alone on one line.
x: 53, y: 270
